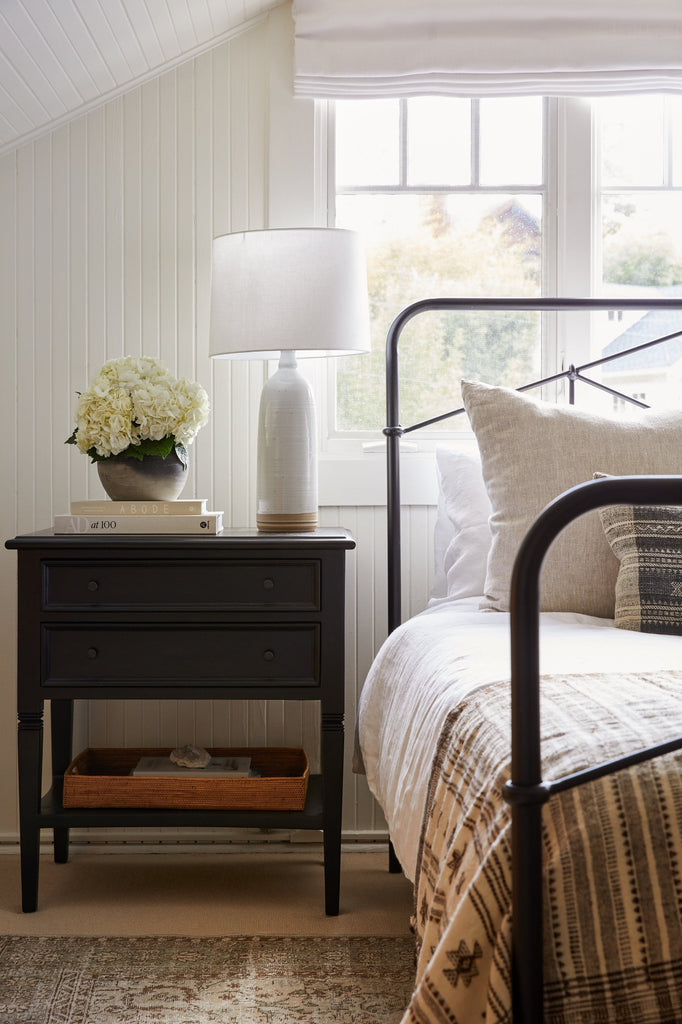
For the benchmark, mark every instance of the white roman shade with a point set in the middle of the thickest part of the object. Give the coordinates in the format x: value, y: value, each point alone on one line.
x: 364, y: 48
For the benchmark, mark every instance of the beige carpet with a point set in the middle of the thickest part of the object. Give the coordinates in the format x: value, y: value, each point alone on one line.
x: 206, y: 894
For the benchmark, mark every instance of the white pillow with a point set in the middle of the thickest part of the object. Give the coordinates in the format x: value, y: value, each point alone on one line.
x: 462, y: 535
x: 532, y: 451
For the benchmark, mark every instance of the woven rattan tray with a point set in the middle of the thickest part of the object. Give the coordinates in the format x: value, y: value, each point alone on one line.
x: 100, y: 777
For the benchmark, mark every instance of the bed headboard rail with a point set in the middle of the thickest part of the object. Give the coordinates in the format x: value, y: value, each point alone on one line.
x: 394, y: 431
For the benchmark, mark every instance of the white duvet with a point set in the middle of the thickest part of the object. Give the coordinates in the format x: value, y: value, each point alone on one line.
x: 434, y: 660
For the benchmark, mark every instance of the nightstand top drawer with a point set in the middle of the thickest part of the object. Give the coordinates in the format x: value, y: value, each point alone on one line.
x: 215, y: 584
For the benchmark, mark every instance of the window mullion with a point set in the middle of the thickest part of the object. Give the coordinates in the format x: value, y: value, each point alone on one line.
x: 669, y: 144
x: 475, y: 142
x: 576, y: 194
x: 577, y: 219
x: 402, y: 174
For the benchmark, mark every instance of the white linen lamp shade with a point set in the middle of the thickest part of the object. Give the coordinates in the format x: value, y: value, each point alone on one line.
x: 282, y: 293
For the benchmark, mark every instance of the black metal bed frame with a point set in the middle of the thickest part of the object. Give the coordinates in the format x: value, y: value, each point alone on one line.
x: 527, y: 791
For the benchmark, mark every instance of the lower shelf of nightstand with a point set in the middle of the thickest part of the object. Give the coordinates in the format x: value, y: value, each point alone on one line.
x: 315, y: 815
x: 54, y: 815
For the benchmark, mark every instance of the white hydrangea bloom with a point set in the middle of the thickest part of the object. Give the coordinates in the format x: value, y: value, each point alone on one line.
x: 132, y: 400
x: 192, y: 410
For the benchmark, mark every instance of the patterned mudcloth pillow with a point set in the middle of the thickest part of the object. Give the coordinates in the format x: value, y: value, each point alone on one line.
x: 647, y: 540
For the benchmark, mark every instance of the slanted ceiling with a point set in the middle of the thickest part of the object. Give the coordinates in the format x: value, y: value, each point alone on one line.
x: 61, y: 58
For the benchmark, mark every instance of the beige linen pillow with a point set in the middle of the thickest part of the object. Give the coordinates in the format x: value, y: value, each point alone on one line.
x: 532, y: 451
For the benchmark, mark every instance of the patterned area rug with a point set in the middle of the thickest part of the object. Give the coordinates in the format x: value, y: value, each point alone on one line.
x: 77, y: 980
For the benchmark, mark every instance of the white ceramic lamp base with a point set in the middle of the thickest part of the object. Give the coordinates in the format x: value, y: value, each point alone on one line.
x: 287, y: 453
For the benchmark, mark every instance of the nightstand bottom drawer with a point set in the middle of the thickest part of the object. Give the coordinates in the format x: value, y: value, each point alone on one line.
x: 181, y: 655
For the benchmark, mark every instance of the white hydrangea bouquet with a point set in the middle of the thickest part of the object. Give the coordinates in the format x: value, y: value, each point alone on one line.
x: 135, y: 407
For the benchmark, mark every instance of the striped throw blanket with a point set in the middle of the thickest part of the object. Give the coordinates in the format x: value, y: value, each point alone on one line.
x: 612, y: 860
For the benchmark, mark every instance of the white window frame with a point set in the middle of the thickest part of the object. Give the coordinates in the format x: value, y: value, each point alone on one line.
x: 348, y: 464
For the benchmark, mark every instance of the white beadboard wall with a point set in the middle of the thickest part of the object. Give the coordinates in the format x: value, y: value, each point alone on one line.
x: 106, y: 227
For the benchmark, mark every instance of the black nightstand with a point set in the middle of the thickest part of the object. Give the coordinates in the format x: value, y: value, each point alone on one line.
x: 238, y: 616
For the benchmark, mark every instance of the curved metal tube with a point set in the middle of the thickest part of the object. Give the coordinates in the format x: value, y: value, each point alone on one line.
x: 394, y: 431
x: 527, y: 790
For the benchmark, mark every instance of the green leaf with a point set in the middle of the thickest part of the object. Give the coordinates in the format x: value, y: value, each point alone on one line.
x: 95, y: 455
x: 163, y: 447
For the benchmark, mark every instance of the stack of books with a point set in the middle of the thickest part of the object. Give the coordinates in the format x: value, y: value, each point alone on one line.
x: 108, y: 516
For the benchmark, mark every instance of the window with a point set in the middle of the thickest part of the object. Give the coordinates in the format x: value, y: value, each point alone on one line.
x: 641, y: 191
x: 640, y: 205
x: 503, y: 197
x: 450, y: 195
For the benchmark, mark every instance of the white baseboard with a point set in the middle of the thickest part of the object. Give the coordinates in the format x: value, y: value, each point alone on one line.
x: 200, y: 840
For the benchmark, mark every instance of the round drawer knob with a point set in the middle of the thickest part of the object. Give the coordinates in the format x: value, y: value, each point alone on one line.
x: 93, y: 585
x: 92, y: 652
x: 269, y: 655
x: 268, y: 584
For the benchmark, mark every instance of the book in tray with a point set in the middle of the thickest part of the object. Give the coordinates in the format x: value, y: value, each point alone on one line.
x: 217, y: 768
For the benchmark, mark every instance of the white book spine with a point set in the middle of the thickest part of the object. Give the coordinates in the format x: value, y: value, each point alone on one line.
x: 210, y: 523
x: 108, y: 508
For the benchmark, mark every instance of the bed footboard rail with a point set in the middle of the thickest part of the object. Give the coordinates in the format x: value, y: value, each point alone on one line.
x: 527, y: 791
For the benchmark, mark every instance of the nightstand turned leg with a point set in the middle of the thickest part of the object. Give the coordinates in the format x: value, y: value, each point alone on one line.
x: 30, y: 747
x: 332, y: 784
x: 62, y: 734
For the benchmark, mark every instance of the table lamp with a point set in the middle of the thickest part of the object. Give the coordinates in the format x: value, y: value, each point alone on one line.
x: 288, y: 293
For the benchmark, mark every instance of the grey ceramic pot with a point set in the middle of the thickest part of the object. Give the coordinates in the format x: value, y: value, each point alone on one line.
x: 153, y: 478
